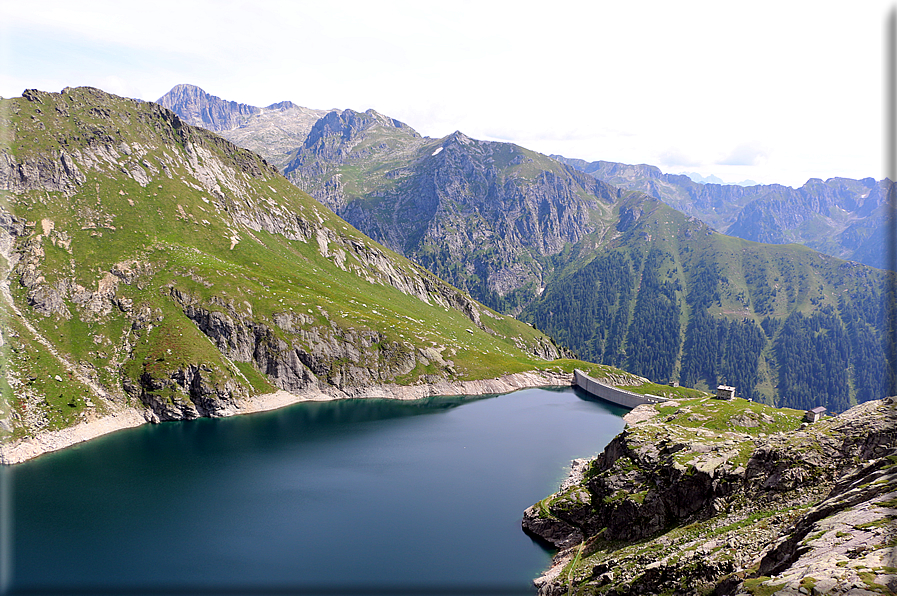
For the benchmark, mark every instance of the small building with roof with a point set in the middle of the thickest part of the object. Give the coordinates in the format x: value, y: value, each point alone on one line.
x: 815, y: 414
x: 725, y: 392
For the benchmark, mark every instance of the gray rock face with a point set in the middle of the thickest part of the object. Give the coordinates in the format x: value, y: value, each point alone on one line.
x: 273, y: 131
x: 56, y: 173
x: 836, y: 540
x: 335, y: 135
x: 671, y: 505
x: 202, y: 109
x: 188, y: 393
x: 485, y: 216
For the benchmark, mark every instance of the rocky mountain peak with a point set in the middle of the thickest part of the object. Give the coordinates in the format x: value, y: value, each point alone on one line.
x: 274, y: 132
x: 199, y: 108
x: 388, y: 122
x: 347, y: 124
x: 281, y: 106
x: 459, y: 138
x: 336, y: 132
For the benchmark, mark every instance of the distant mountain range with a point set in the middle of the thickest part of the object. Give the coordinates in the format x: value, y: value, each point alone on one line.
x: 841, y: 217
x: 589, y: 253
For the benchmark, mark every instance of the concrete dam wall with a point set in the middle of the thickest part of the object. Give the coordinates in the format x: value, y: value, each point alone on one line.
x: 621, y: 397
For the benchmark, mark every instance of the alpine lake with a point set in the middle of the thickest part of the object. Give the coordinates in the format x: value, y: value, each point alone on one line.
x: 339, y: 497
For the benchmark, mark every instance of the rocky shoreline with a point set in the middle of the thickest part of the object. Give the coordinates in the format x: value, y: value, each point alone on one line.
x: 729, y: 498
x: 128, y: 417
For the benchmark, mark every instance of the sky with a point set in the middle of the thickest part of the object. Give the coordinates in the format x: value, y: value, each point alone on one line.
x: 775, y: 92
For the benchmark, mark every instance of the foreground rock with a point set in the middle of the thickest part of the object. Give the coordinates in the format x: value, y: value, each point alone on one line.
x: 729, y: 498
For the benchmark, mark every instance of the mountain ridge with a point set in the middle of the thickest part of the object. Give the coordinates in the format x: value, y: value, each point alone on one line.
x: 513, y: 227
x: 423, y: 188
x: 841, y: 217
x: 835, y: 216
x: 272, y: 131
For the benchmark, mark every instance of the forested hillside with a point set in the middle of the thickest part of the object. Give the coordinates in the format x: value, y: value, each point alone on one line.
x: 672, y: 300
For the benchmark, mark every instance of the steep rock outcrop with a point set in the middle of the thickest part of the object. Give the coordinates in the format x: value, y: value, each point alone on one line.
x: 671, y: 502
x: 187, y: 393
x: 303, y: 357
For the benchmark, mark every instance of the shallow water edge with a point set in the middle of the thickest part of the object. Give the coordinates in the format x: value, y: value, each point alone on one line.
x: 129, y: 417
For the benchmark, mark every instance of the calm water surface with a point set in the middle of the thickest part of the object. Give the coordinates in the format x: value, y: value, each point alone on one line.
x: 349, y: 496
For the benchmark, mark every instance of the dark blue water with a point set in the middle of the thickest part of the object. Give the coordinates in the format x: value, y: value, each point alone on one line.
x: 339, y: 497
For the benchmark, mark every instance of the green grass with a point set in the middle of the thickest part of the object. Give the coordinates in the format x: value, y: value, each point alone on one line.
x: 868, y: 578
x: 572, y: 568
x: 60, y: 402
x: 717, y: 415
x: 890, y: 503
x: 665, y: 391
x: 879, y: 523
x: 757, y: 587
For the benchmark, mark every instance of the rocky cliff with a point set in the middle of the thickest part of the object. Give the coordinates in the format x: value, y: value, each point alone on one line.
x: 707, y: 496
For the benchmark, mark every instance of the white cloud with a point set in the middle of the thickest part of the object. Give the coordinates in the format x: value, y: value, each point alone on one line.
x: 675, y: 157
x: 751, y: 153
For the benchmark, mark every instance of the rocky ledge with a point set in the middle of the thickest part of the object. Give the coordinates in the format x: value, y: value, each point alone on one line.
x: 713, y: 497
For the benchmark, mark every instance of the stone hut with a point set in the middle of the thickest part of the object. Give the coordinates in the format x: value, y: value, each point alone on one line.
x: 815, y: 414
x: 725, y: 392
